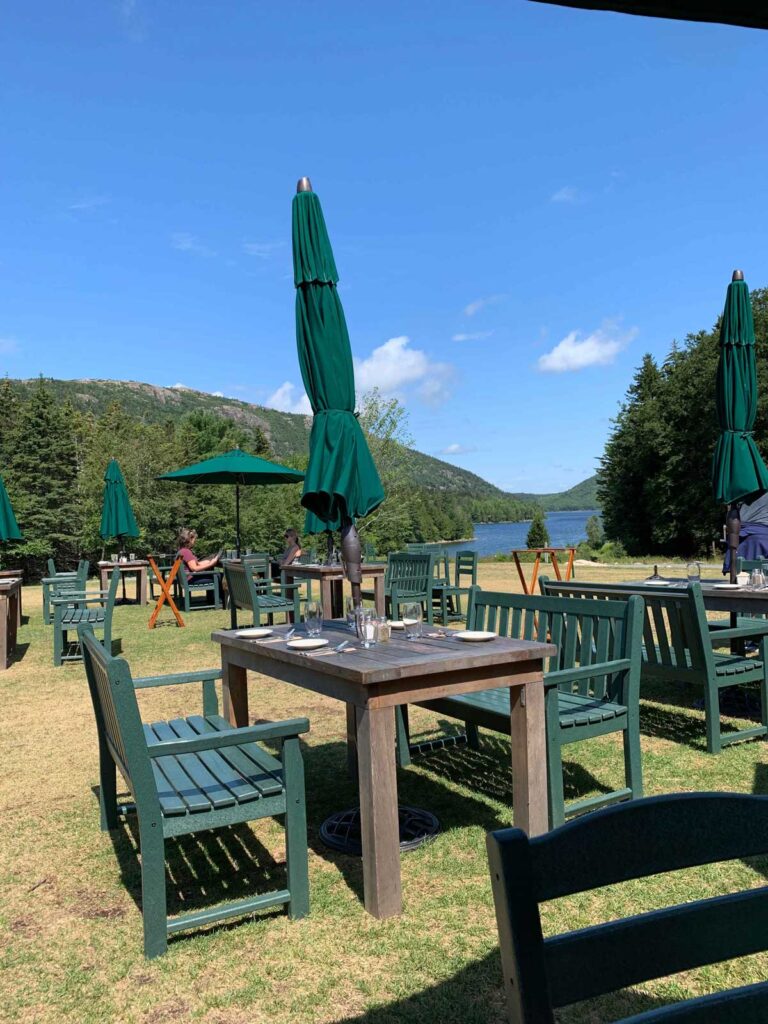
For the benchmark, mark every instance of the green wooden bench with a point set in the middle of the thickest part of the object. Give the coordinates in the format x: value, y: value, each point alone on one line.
x: 591, y: 686
x: 79, y: 608
x: 636, y: 840
x: 189, y: 775
x: 199, y: 591
x: 678, y: 646
x: 58, y: 584
x: 261, y: 596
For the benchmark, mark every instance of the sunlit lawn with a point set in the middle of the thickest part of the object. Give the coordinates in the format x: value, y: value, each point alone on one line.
x: 70, y: 924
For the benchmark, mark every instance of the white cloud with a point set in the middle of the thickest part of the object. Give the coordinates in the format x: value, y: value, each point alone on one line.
x: 89, y: 203
x: 471, y: 336
x: 217, y: 394
x: 285, y: 400
x: 180, y: 387
x: 186, y: 242
x: 566, y: 194
x: 261, y: 249
x: 575, y: 352
x: 474, y: 307
x: 457, y: 449
x: 8, y: 345
x: 395, y: 367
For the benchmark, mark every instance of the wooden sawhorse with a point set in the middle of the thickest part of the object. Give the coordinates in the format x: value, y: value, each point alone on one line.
x: 553, y: 552
x: 166, y: 584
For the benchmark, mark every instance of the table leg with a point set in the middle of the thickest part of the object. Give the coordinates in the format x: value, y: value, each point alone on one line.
x: 13, y: 620
x: 104, y: 583
x: 143, y: 585
x: 337, y: 599
x: 529, y: 757
x: 378, y: 811
x: 18, y: 608
x: 378, y: 595
x: 234, y: 686
x: 3, y: 632
x: 326, y: 600
x: 351, y: 741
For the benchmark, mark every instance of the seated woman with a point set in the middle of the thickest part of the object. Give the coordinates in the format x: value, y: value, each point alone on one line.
x: 291, y: 553
x: 193, y: 564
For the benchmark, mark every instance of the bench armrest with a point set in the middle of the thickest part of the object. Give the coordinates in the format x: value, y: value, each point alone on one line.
x: 289, y: 729
x: 602, y: 668
x: 65, y: 577
x: 82, y: 597
x: 758, y: 631
x: 176, y: 679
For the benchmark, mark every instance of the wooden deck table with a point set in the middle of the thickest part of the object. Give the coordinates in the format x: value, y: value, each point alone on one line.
x: 10, y: 595
x: 331, y: 580
x: 14, y: 574
x: 138, y: 568
x: 372, y: 683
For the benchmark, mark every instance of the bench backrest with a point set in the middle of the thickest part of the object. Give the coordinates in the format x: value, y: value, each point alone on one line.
x: 239, y: 584
x: 675, y: 631
x: 259, y: 564
x: 645, y: 837
x: 465, y: 569
x: 118, y: 721
x: 584, y: 632
x: 411, y: 573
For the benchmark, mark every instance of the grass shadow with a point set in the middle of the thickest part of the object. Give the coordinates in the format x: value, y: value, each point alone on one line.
x: 18, y: 653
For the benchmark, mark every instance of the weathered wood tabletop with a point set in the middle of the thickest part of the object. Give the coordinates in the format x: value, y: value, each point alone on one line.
x: 372, y: 683
x: 10, y: 596
x: 331, y: 579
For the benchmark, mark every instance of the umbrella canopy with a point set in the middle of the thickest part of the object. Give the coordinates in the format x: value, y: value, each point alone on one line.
x: 341, y: 480
x: 737, y: 468
x: 117, y: 519
x: 9, y: 528
x: 728, y: 12
x: 236, y: 467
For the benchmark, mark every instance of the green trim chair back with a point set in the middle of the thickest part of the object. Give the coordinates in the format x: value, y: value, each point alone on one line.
x: 206, y: 581
x: 262, y: 597
x: 448, y: 596
x: 58, y: 584
x: 73, y: 609
x: 591, y: 685
x: 631, y: 841
x: 679, y: 647
x: 411, y: 578
x: 190, y: 775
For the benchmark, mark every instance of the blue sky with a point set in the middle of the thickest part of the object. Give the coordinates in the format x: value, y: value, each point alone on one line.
x: 522, y: 200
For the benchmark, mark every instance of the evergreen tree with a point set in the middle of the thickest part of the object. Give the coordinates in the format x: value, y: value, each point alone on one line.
x: 538, y: 535
x: 594, y: 528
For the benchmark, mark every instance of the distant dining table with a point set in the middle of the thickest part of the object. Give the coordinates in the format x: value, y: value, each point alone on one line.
x: 14, y: 574
x: 135, y: 567
x: 10, y: 596
x: 372, y: 683
x: 331, y: 580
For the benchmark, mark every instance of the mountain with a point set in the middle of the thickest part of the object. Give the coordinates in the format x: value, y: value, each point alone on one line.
x: 580, y: 496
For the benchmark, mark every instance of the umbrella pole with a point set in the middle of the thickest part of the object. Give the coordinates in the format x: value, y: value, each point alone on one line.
x: 351, y: 552
x: 732, y: 531
x: 237, y: 518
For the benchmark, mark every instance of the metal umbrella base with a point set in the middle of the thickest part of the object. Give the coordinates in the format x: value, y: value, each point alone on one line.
x: 342, y: 830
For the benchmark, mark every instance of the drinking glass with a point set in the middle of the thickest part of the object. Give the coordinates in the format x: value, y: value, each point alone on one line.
x: 385, y: 630
x: 367, y: 627
x: 412, y: 620
x: 313, y: 618
x: 114, y: 557
x: 132, y: 557
x: 352, y: 610
x: 757, y: 579
x: 694, y: 572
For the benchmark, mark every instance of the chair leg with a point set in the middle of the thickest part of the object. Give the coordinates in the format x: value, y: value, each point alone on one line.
x: 712, y: 718
x: 295, y: 829
x: 153, y: 903
x: 402, y: 736
x: 554, y: 761
x: 633, y: 763
x: 473, y: 735
x: 107, y: 789
x: 58, y: 644
x: 232, y: 615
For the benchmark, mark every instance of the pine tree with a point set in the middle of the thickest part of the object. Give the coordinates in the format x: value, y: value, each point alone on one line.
x: 538, y: 535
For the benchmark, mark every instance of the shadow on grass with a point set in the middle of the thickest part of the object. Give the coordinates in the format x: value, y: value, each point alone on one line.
x: 474, y: 996
x: 18, y: 653
x: 659, y: 720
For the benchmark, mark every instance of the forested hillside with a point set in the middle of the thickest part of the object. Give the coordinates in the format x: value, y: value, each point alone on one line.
x: 581, y: 496
x: 655, y: 478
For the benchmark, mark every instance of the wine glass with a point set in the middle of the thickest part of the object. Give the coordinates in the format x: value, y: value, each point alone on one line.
x: 313, y: 618
x: 352, y: 610
x: 694, y: 572
x: 412, y: 620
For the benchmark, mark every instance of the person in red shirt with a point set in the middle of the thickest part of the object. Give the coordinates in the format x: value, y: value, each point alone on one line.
x: 187, y: 541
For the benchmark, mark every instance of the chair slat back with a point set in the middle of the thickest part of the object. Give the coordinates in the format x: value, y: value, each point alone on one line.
x: 645, y: 837
x: 411, y: 574
x: 465, y: 569
x: 238, y: 584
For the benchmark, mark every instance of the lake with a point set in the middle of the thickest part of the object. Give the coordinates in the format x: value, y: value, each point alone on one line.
x: 565, y: 529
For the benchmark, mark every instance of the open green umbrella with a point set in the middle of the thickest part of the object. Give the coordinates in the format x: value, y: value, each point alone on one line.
x: 9, y: 528
x: 738, y: 470
x: 236, y: 467
x: 341, y: 481
x: 117, y: 519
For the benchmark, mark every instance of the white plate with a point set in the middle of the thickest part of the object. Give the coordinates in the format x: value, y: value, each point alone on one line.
x: 474, y: 635
x: 254, y: 634
x: 397, y: 624
x: 655, y: 583
x: 727, y: 586
x: 309, y: 643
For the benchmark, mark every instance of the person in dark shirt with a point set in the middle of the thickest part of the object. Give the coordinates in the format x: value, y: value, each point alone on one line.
x: 291, y: 553
x: 187, y: 541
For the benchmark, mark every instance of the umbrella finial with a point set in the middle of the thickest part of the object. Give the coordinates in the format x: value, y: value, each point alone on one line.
x: 738, y: 275
x: 303, y: 185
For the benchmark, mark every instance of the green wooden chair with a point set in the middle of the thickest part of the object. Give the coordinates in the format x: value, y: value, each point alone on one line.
x: 190, y: 775
x: 262, y: 597
x: 636, y: 840
x: 679, y: 647
x: 448, y: 595
x: 592, y: 684
x: 199, y: 591
x: 58, y: 584
x: 411, y: 577
x: 78, y: 608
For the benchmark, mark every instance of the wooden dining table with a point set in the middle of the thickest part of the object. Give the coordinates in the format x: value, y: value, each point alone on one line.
x: 10, y: 595
x: 331, y: 580
x: 14, y: 574
x: 372, y: 683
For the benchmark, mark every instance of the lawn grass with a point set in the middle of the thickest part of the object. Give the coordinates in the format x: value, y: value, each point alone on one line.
x: 70, y: 928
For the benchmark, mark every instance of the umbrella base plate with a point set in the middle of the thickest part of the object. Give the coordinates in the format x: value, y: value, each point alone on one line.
x: 342, y: 830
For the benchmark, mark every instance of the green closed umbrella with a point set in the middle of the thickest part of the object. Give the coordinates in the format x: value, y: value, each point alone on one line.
x: 738, y: 470
x: 239, y: 468
x: 9, y: 528
x: 341, y: 481
x: 117, y: 518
